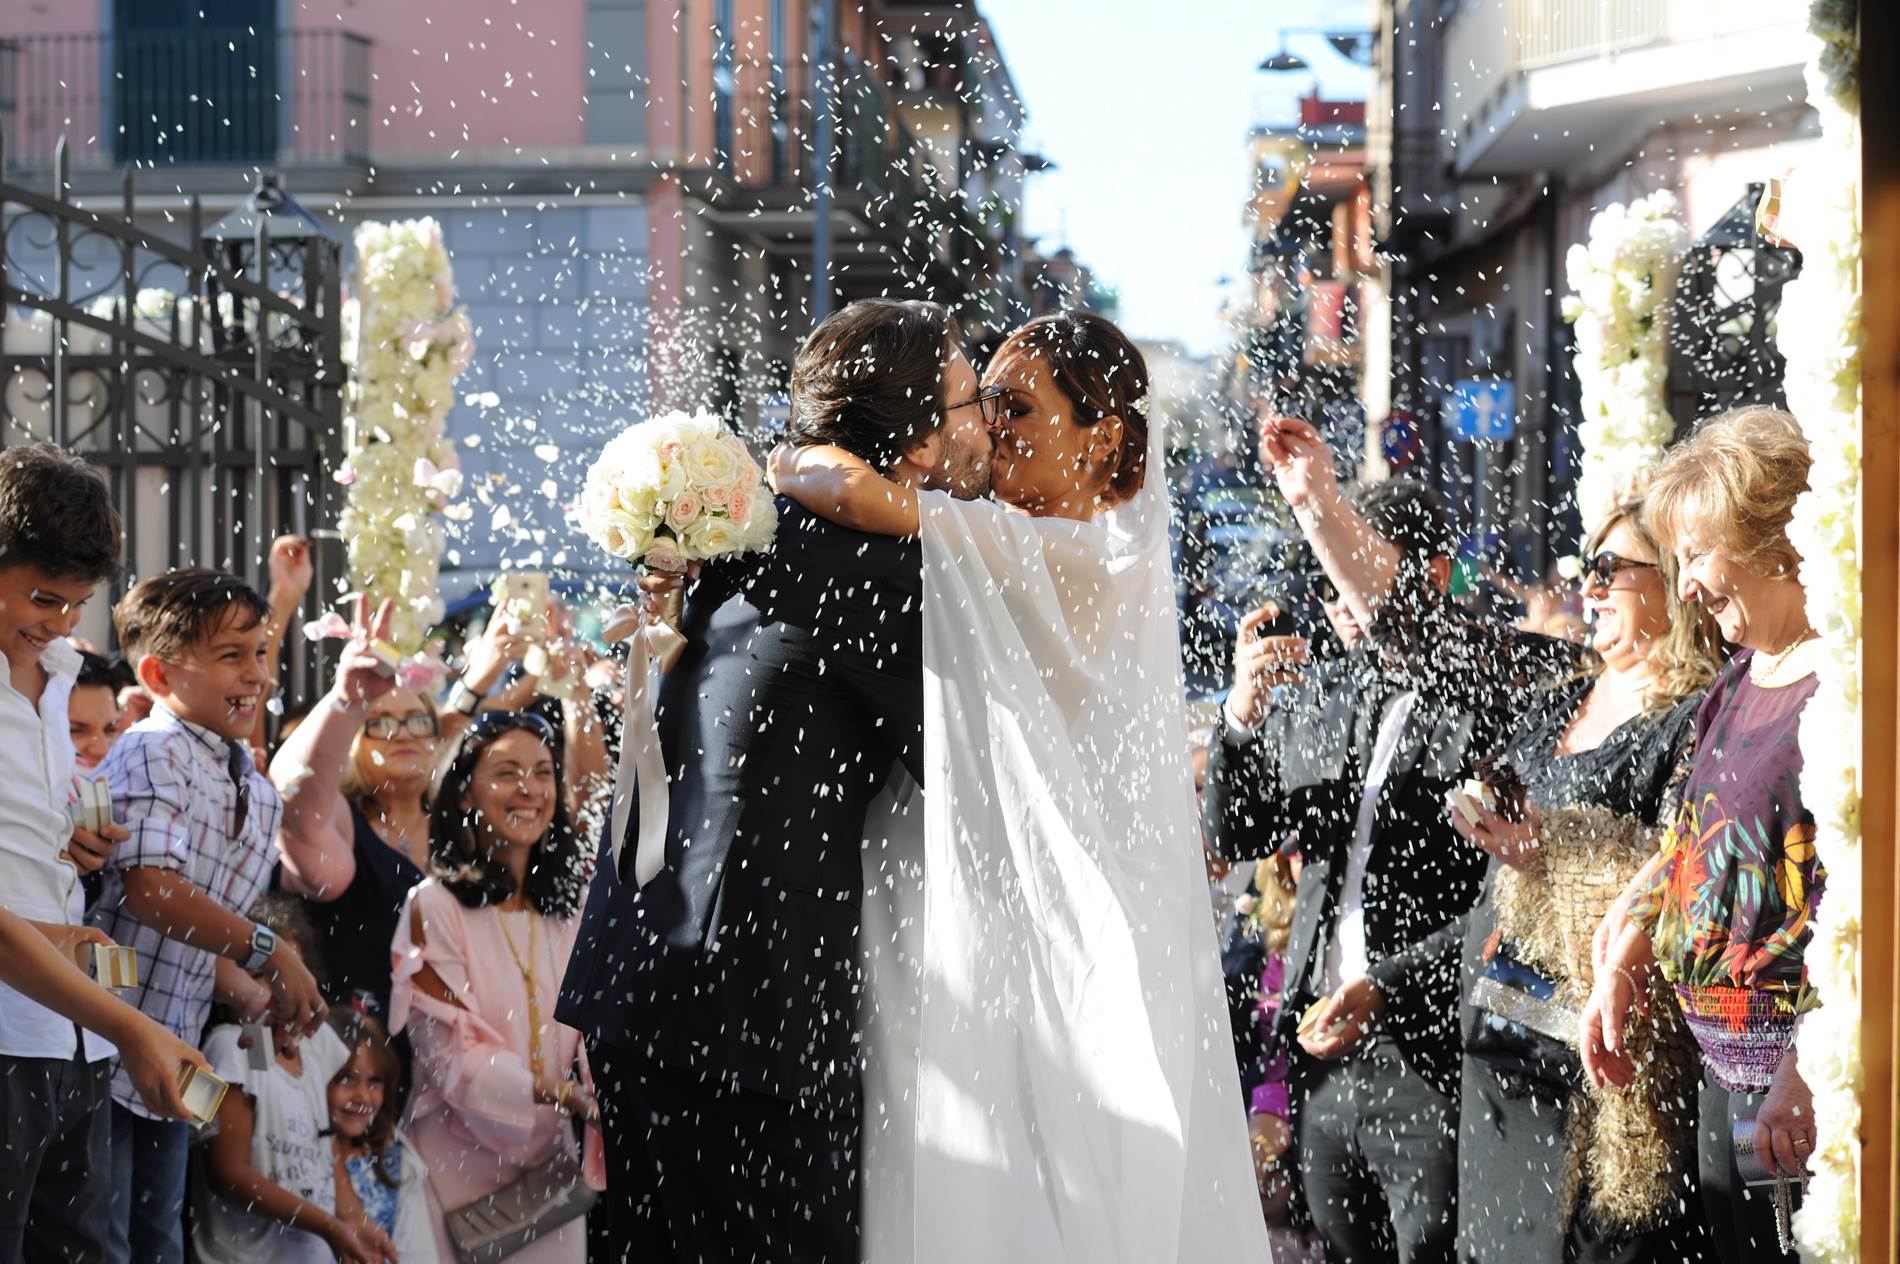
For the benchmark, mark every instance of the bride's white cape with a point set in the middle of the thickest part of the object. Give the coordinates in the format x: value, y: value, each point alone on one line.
x: 1049, y: 1073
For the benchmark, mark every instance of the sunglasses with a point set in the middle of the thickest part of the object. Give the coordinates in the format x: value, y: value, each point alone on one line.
x: 1601, y: 570
x: 491, y: 723
x: 1323, y: 588
x: 382, y: 728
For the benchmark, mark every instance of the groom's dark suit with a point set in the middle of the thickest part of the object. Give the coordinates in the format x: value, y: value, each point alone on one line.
x: 719, y: 1001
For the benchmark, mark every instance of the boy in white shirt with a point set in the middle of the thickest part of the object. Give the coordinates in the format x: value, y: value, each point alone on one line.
x: 59, y: 539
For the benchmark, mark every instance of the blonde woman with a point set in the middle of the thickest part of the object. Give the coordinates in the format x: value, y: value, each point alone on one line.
x: 355, y: 780
x: 1596, y: 760
x: 1724, y: 914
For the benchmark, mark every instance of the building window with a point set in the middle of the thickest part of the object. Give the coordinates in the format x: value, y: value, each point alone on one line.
x: 196, y: 81
x: 724, y: 82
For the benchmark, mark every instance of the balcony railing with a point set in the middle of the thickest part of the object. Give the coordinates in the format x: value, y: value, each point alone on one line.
x: 1688, y: 51
x: 200, y: 97
x: 1553, y: 31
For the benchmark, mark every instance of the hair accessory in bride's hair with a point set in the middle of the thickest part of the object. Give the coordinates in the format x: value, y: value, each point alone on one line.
x: 1139, y: 404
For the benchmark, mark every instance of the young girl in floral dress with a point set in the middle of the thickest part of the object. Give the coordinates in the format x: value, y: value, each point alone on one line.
x: 380, y: 1180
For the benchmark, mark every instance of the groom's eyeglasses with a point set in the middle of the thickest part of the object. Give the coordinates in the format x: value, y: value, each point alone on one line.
x: 989, y: 403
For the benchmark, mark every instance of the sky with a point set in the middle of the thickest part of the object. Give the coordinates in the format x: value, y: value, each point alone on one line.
x: 1145, y: 109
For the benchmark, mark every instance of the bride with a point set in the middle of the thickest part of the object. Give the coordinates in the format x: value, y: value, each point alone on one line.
x: 1048, y: 1067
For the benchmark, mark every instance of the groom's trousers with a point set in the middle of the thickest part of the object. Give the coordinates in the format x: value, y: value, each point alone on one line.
x: 1377, y: 1147
x: 704, y: 1173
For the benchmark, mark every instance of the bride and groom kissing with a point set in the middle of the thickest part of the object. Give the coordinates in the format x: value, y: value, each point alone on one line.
x: 928, y: 970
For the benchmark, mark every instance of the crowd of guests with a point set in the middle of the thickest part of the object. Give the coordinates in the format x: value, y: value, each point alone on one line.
x: 1555, y: 1024
x: 361, y: 932
x: 1555, y: 1020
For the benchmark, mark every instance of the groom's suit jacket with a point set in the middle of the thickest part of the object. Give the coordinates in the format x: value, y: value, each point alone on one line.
x: 800, y: 687
x: 1298, y: 780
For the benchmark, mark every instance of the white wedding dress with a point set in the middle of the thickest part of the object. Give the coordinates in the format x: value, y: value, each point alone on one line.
x: 1049, y: 1075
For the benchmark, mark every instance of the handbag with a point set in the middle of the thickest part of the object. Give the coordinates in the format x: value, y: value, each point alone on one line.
x: 1755, y: 1173
x: 530, y: 1207
x: 1523, y: 1033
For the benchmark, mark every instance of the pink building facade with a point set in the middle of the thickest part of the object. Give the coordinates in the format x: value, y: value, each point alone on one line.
x: 625, y: 186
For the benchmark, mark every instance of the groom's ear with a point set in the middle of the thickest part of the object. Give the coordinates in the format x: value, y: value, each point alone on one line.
x: 927, y: 454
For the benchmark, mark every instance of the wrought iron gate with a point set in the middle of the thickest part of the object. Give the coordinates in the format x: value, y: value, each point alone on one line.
x: 203, y: 378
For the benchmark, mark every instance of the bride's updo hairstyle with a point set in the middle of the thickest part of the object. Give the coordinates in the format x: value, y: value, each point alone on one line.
x: 869, y: 378
x: 1102, y: 374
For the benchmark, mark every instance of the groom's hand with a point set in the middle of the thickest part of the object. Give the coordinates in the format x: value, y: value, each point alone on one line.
x: 1343, y: 1021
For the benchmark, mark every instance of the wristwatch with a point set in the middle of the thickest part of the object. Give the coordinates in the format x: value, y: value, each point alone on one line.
x: 464, y: 700
x: 263, y: 944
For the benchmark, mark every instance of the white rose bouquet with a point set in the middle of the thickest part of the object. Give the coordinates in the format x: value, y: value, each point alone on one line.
x: 674, y: 490
x: 665, y: 493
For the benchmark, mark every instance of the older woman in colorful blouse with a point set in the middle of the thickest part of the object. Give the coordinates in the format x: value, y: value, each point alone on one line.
x: 1724, y: 912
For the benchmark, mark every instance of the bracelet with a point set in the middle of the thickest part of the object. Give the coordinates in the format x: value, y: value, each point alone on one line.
x: 1635, y: 984
x: 563, y: 1096
x: 464, y: 699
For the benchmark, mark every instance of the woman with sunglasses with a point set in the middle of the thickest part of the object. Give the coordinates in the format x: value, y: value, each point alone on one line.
x: 1718, y: 927
x: 1550, y: 1170
x: 355, y: 780
x: 479, y: 955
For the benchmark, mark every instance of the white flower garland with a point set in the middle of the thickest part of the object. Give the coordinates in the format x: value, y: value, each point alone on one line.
x: 406, y: 343
x: 1819, y: 333
x: 1624, y: 281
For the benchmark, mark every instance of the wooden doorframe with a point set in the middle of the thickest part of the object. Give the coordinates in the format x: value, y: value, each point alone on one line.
x: 1880, y: 627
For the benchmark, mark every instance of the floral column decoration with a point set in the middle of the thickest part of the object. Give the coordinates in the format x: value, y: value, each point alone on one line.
x: 1819, y: 333
x: 406, y: 342
x: 1623, y: 283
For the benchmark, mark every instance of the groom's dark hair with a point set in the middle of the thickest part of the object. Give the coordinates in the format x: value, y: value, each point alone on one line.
x: 869, y: 379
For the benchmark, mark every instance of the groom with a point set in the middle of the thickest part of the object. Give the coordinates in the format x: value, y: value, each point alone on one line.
x: 719, y: 1001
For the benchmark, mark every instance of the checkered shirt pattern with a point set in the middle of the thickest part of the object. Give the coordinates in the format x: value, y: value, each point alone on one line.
x: 173, y: 788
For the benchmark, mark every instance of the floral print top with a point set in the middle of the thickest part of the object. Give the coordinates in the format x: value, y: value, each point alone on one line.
x: 379, y: 1198
x: 1730, y: 909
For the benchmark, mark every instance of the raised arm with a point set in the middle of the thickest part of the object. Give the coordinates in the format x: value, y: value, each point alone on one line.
x: 291, y: 572
x: 1363, y: 564
x: 315, y: 838
x: 844, y: 489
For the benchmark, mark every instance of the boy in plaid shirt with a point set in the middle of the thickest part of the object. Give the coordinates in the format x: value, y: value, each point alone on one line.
x: 202, y: 820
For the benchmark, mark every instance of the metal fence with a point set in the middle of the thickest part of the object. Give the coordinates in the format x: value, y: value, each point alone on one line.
x: 203, y: 377
x: 207, y: 96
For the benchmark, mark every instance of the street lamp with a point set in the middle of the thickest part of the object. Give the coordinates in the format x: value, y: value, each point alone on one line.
x: 1353, y: 45
x: 1726, y: 303
x: 1284, y: 60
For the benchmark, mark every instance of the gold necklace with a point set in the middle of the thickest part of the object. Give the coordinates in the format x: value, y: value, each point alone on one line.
x: 535, y: 1060
x: 1774, y: 664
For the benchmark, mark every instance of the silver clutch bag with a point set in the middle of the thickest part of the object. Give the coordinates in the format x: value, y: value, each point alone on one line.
x: 530, y: 1207
x: 1755, y: 1172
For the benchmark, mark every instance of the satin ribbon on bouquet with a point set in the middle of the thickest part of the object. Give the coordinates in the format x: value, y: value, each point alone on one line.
x: 651, y: 642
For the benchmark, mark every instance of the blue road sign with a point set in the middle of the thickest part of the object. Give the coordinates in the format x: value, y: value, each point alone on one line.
x: 1484, y: 409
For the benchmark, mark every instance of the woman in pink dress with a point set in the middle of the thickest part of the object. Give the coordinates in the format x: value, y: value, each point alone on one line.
x: 478, y: 960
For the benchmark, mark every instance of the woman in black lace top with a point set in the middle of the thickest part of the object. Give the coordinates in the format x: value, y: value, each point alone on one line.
x: 1549, y: 1168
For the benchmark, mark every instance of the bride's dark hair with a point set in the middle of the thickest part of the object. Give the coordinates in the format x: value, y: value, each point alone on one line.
x: 1102, y: 374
